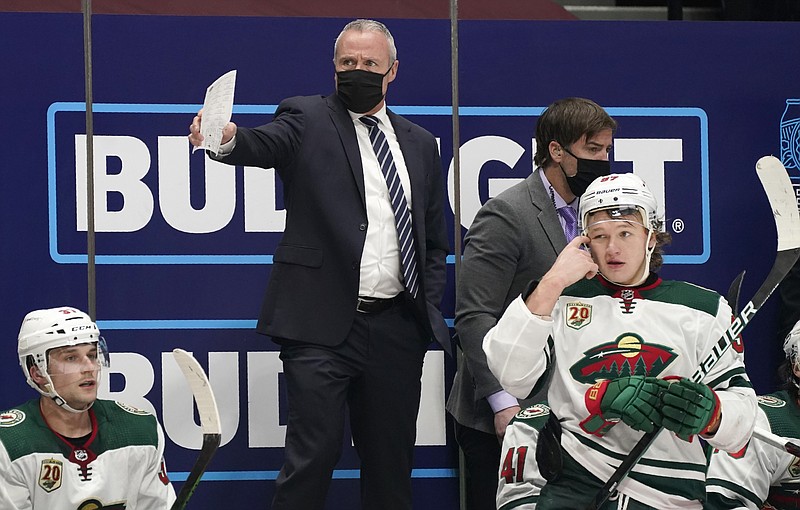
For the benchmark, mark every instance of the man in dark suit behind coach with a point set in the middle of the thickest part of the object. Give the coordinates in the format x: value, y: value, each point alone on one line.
x: 353, y: 297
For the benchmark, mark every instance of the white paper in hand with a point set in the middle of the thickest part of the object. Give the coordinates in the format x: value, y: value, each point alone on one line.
x: 217, y: 110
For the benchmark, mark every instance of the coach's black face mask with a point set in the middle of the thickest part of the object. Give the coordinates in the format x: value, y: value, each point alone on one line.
x: 588, y: 170
x: 360, y: 90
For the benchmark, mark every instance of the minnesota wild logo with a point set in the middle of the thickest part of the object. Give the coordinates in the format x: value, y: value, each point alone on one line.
x: 11, y: 418
x: 626, y: 355
x: 533, y: 411
x: 771, y: 401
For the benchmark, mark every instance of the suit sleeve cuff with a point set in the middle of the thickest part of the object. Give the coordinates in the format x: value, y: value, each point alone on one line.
x: 501, y: 400
x: 227, y: 147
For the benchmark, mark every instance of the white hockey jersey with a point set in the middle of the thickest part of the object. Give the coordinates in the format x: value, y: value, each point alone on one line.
x: 520, y: 482
x: 119, y: 467
x: 602, y: 331
x: 762, y: 476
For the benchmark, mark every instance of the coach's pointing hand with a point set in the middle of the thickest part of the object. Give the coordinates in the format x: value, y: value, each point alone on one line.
x: 196, y: 139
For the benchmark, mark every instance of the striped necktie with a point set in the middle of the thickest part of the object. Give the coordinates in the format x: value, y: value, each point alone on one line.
x: 402, y: 215
x: 567, y: 213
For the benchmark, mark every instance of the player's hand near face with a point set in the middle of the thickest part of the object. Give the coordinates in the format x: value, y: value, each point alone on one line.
x: 571, y: 265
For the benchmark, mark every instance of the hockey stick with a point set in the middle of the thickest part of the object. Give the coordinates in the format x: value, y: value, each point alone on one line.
x: 780, y: 193
x: 209, y: 422
x: 758, y: 433
x: 732, y: 297
x: 777, y: 441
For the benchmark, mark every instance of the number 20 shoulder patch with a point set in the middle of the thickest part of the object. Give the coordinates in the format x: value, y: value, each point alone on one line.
x: 578, y: 315
x: 50, y: 474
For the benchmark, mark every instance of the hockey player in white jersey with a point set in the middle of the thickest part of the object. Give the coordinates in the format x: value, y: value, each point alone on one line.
x: 68, y: 450
x: 520, y: 481
x: 763, y: 476
x: 619, y: 344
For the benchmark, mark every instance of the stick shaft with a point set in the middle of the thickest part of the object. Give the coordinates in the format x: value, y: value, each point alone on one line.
x: 210, y: 445
x: 779, y: 442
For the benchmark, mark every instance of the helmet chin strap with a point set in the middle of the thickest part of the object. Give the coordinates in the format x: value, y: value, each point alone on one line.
x: 63, y: 404
x: 58, y: 399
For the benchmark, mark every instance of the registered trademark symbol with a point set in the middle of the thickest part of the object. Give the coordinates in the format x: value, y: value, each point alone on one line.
x: 677, y: 226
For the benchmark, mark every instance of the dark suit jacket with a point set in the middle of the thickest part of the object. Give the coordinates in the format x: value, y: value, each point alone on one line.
x: 514, y: 239
x: 313, y: 288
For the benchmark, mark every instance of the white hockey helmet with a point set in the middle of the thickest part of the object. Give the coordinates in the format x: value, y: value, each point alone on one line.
x: 791, y: 344
x: 43, y: 330
x: 619, y: 193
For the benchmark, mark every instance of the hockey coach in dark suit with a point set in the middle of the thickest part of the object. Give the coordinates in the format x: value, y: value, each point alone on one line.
x: 358, y: 276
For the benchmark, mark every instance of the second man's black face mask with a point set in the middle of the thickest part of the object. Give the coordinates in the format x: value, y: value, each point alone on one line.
x: 360, y: 90
x: 588, y: 170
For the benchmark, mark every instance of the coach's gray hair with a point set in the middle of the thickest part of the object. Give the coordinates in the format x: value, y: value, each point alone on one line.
x: 368, y: 25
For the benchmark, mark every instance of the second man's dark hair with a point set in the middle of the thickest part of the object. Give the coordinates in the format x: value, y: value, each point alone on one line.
x: 566, y: 121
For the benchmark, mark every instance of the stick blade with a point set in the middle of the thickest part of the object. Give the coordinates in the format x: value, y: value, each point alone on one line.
x: 201, y: 389
x: 782, y: 200
x: 732, y: 297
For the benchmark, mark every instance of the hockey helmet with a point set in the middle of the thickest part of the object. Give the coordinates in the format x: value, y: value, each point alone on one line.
x: 619, y: 194
x: 791, y: 344
x: 43, y: 330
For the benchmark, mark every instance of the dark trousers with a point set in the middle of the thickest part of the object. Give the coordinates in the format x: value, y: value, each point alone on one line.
x: 482, y: 463
x: 376, y: 373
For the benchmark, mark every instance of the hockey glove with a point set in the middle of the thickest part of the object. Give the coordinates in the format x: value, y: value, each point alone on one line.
x: 690, y: 408
x: 634, y: 400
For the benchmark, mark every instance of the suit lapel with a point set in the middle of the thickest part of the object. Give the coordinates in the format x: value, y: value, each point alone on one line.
x: 547, y: 217
x: 347, y: 135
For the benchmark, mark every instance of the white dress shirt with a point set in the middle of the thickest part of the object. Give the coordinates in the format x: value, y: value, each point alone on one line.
x: 380, y: 261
